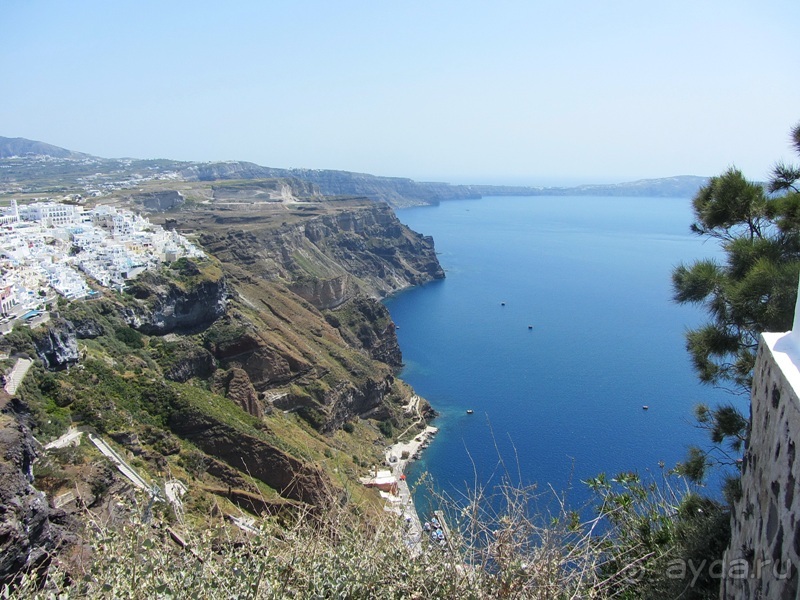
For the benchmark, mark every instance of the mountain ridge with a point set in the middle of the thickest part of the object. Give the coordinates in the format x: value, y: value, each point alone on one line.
x: 28, y: 160
x: 18, y: 147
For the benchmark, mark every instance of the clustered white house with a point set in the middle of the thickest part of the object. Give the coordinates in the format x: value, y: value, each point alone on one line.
x: 49, y: 248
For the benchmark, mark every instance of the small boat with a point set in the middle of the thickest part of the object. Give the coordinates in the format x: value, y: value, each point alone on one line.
x: 645, y: 407
x: 530, y: 326
x: 470, y: 411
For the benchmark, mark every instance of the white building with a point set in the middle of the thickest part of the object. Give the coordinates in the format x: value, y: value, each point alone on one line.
x: 43, y: 246
x: 10, y: 216
x: 50, y: 214
x: 7, y: 300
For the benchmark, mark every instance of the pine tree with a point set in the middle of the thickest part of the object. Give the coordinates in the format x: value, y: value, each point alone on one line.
x: 754, y: 290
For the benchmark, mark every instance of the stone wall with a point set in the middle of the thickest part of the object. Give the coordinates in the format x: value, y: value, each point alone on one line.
x: 764, y: 555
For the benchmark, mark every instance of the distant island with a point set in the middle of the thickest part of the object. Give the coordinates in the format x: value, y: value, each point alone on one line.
x: 35, y: 167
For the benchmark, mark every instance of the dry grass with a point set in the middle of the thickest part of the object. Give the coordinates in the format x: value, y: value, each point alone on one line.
x: 499, y: 548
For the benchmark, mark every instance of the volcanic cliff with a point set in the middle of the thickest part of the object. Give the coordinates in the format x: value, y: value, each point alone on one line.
x: 263, y: 376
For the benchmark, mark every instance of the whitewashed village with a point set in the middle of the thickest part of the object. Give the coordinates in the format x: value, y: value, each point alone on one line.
x: 51, y: 249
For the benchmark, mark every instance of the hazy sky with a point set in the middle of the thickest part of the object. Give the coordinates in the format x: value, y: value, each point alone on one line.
x: 467, y: 92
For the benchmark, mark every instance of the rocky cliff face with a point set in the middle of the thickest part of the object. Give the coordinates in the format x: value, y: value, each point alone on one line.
x: 396, y: 191
x: 366, y: 401
x: 30, y: 531
x: 268, y: 360
x: 285, y: 315
x: 330, y: 258
x: 193, y: 362
x: 324, y: 293
x: 57, y: 345
x: 291, y: 477
x: 366, y: 323
x: 235, y: 384
x: 160, y: 201
x: 263, y: 190
x: 161, y: 306
x: 314, y: 277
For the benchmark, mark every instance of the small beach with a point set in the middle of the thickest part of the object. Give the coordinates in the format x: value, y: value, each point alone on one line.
x: 396, y: 452
x: 398, y: 495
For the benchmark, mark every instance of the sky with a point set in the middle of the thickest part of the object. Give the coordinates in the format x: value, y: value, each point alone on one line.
x: 516, y: 92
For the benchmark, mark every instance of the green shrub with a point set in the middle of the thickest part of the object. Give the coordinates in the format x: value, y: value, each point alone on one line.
x: 222, y: 332
x: 194, y: 462
x: 185, y: 267
x: 130, y: 337
x: 386, y: 428
x: 18, y: 340
x: 312, y: 416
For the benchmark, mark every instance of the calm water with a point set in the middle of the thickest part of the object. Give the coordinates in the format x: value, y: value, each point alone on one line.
x: 562, y: 401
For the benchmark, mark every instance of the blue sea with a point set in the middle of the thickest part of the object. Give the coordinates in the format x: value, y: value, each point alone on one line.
x: 555, y: 325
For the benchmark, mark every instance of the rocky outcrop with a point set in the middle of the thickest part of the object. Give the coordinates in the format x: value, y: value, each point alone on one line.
x: 330, y: 258
x: 364, y: 401
x: 57, y: 345
x: 160, y: 201
x: 340, y: 259
x: 267, y: 363
x: 161, y: 306
x: 263, y: 190
x: 30, y: 531
x: 192, y: 362
x: 292, y: 478
x: 372, y: 245
x: 366, y: 323
x: 324, y: 293
x: 396, y: 191
x: 305, y: 330
x: 235, y: 385
x: 87, y: 328
x: 332, y: 406
x: 130, y: 440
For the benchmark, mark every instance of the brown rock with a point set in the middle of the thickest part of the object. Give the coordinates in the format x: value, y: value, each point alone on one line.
x: 236, y: 385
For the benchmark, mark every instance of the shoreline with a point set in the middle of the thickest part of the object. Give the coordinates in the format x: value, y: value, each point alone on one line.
x: 403, y: 505
x: 411, y: 449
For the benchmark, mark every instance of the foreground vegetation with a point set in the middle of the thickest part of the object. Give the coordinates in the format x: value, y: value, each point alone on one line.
x: 637, y: 544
